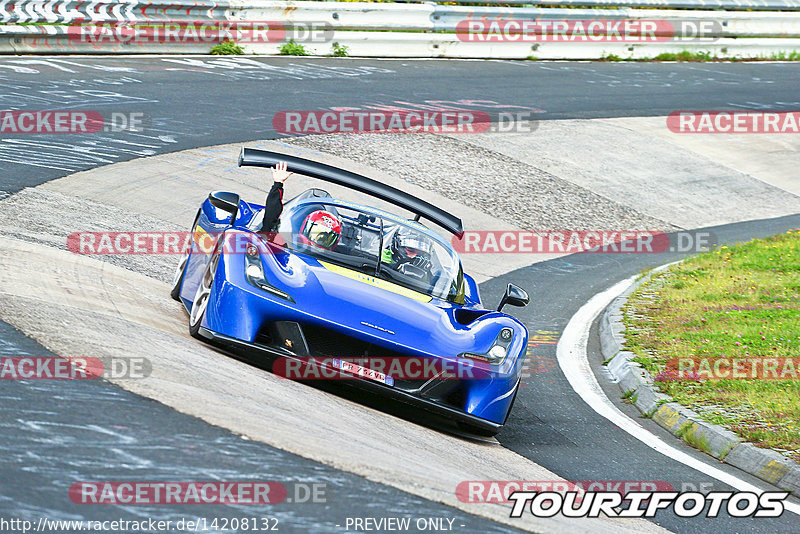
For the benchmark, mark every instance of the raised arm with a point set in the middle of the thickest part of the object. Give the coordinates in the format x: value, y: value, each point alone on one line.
x: 273, y: 206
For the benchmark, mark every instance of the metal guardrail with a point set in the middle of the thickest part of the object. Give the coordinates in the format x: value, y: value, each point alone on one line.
x: 726, y: 24
x: 54, y: 40
x: 396, y: 44
x: 731, y: 5
x: 383, y: 29
x: 351, y: 15
x: 340, y: 15
x: 370, y: 16
x: 66, y: 11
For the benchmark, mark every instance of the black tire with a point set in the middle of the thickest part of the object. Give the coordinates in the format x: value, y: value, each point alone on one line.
x: 177, y: 279
x: 202, y: 296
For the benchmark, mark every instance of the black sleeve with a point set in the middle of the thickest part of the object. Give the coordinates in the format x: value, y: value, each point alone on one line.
x: 273, y: 207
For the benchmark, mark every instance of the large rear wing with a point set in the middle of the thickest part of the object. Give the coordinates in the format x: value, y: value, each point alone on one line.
x: 252, y: 157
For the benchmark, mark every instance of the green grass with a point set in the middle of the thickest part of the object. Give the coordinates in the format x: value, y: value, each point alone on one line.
x: 687, y: 434
x: 704, y: 56
x: 783, y: 56
x: 227, y: 48
x: 683, y: 55
x: 291, y: 48
x: 742, y: 301
x: 614, y: 57
x: 630, y: 396
x: 338, y: 50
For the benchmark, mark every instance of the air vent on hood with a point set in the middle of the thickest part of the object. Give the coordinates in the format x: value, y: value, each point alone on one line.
x: 466, y: 316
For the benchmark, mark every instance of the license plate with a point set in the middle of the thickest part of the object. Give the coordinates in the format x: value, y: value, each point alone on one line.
x: 363, y: 372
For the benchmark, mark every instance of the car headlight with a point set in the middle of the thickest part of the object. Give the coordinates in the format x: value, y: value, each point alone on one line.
x: 497, y: 353
x: 254, y: 273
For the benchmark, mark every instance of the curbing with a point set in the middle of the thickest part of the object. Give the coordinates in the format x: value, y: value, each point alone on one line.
x: 680, y: 421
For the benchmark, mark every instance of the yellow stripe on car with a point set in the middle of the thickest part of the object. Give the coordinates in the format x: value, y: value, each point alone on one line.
x: 377, y: 282
x: 203, y: 239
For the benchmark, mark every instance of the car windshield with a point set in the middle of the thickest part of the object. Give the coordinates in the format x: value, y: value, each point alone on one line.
x: 375, y: 245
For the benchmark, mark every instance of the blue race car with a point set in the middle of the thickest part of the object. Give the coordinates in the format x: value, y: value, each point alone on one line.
x: 406, y: 324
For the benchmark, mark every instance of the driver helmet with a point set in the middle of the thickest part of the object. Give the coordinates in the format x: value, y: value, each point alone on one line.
x: 321, y: 228
x: 408, y: 244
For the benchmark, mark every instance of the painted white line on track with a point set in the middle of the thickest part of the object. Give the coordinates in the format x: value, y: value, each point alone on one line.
x: 574, y: 362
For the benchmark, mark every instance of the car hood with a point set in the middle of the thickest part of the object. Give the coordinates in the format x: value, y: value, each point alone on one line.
x: 378, y: 311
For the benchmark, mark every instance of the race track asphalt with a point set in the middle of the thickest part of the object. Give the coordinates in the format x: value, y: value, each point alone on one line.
x: 193, y: 102
x: 552, y: 424
x: 60, y: 432
x: 200, y: 101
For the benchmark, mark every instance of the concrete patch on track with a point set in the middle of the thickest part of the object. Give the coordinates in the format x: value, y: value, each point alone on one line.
x: 170, y: 187
x: 78, y: 306
x: 772, y: 158
x: 633, y: 163
x: 520, y: 192
x: 45, y: 217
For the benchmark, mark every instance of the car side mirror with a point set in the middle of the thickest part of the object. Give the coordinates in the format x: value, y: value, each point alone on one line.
x: 514, y: 295
x: 226, y: 202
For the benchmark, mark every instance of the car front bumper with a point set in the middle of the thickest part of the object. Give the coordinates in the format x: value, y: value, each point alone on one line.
x: 258, y: 352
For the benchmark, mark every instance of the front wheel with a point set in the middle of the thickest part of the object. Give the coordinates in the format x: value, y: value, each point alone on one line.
x: 202, y: 297
x: 177, y: 278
